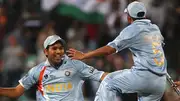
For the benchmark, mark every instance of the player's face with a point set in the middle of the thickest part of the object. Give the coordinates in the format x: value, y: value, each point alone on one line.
x: 55, y: 53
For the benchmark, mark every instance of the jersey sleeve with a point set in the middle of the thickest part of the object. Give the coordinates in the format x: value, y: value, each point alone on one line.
x: 124, y: 39
x: 30, y: 78
x: 87, y: 72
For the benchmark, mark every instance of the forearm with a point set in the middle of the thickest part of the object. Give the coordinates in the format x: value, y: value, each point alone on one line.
x: 106, y: 50
x: 8, y: 92
x: 11, y: 92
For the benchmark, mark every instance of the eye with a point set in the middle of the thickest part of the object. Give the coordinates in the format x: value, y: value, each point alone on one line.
x: 54, y: 48
x: 61, y: 48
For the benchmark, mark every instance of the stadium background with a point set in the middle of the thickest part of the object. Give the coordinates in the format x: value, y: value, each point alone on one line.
x: 24, y: 24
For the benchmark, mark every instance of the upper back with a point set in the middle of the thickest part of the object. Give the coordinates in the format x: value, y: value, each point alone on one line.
x: 147, y: 47
x: 145, y: 41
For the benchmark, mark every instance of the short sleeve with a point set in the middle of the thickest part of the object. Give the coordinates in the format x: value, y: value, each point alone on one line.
x: 124, y: 40
x: 30, y: 78
x: 88, y: 72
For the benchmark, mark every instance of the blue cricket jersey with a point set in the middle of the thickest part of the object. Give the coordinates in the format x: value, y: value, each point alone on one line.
x: 61, y: 84
x: 145, y: 41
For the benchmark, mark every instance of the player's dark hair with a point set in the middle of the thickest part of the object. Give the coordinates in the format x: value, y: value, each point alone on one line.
x: 137, y: 19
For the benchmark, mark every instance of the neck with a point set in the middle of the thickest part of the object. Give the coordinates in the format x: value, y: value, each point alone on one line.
x: 56, y: 65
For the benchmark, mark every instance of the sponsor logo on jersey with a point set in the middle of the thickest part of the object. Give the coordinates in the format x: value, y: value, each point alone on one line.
x: 91, y: 69
x: 59, y: 87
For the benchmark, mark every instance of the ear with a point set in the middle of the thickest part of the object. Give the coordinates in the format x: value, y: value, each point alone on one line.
x: 46, y: 52
x: 130, y: 20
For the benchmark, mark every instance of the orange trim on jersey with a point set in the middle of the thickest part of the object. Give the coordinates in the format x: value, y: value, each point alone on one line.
x: 40, y: 80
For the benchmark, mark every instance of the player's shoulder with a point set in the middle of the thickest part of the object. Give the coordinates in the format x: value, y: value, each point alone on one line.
x: 71, y: 61
x: 132, y: 28
x: 129, y: 32
x: 76, y: 62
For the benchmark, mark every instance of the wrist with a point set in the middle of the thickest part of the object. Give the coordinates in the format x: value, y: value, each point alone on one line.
x: 84, y: 56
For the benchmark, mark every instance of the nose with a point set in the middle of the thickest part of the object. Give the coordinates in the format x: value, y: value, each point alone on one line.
x: 60, y: 51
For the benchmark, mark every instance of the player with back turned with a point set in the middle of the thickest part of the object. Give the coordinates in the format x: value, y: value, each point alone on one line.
x: 147, y: 77
x: 58, y: 78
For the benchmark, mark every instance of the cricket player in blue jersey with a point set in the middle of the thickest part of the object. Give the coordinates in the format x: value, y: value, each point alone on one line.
x: 59, y: 78
x: 147, y: 77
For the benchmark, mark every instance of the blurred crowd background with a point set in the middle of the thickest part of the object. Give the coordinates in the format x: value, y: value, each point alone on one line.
x: 85, y: 25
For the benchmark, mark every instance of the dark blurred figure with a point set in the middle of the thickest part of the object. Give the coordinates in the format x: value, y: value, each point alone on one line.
x: 13, y: 59
x: 177, y: 17
x: 1, y: 69
x: 62, y: 23
x: 3, y: 24
x: 91, y: 87
x: 14, y: 10
x: 176, y: 32
x: 171, y: 32
x: 103, y: 36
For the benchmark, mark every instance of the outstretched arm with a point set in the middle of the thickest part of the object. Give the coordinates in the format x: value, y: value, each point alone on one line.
x: 105, y: 50
x: 12, y: 92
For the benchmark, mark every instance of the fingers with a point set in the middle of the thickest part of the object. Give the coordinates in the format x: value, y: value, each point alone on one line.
x: 71, y: 53
x: 73, y: 58
x: 72, y: 50
x: 75, y: 54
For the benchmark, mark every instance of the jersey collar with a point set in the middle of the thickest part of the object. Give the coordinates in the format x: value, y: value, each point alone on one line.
x: 142, y: 20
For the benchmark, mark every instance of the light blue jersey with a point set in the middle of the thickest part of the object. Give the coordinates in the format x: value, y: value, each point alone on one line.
x: 145, y: 41
x: 61, y: 84
x: 146, y: 77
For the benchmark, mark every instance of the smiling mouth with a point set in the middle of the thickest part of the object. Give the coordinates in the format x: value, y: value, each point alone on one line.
x: 59, y: 57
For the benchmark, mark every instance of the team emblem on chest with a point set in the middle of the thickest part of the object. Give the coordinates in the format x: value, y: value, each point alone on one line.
x: 67, y: 73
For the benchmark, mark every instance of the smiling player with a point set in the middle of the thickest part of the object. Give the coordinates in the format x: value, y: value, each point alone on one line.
x: 58, y: 78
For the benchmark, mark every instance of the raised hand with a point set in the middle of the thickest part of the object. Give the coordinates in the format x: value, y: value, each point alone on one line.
x: 75, y: 54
